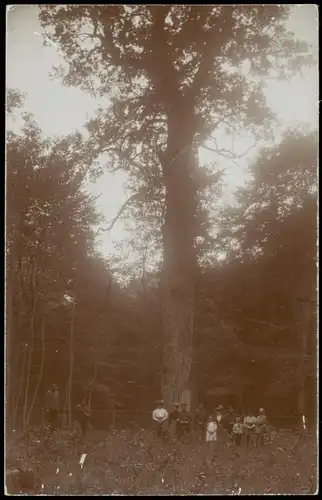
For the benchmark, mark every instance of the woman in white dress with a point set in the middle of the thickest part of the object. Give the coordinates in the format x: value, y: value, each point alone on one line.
x: 211, y: 430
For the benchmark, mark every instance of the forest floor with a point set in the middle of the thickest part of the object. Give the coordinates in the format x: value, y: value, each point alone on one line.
x: 133, y: 463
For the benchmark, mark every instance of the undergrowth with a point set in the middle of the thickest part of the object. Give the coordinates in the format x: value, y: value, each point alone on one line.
x: 134, y: 463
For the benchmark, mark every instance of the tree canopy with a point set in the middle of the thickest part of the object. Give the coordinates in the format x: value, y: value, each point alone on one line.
x: 173, y: 75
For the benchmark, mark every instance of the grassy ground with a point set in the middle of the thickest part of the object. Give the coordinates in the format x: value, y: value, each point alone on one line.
x: 133, y: 463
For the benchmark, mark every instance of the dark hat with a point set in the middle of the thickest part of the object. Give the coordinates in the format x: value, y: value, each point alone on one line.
x: 176, y: 405
x: 159, y: 402
x: 220, y: 407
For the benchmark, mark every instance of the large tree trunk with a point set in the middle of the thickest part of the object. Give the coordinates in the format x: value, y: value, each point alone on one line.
x: 179, y: 257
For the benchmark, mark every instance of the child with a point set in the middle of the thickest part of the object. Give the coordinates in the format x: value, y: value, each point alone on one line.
x: 211, y: 430
x: 238, y: 431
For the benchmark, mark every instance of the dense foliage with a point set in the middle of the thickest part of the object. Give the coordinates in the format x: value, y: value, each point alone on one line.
x: 266, y: 287
x: 255, y: 329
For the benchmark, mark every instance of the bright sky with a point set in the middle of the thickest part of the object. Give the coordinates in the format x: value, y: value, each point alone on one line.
x: 60, y: 110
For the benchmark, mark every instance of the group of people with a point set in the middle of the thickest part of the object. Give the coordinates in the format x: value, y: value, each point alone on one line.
x: 81, y: 414
x: 178, y: 424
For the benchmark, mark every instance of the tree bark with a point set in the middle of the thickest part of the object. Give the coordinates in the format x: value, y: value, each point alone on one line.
x: 179, y: 256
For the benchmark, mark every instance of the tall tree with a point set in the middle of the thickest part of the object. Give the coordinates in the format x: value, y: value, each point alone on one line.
x: 173, y: 75
x: 49, y: 233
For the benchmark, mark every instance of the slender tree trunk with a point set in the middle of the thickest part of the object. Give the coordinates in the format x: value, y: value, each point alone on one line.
x: 71, y: 364
x: 11, y: 372
x: 24, y: 359
x: 32, y: 331
x: 65, y: 411
x: 40, y: 370
x: 301, y: 397
x: 92, y: 385
x: 305, y: 311
x: 179, y: 257
x: 9, y: 359
x: 241, y: 401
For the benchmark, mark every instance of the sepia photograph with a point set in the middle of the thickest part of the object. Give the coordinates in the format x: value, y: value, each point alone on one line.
x: 161, y: 250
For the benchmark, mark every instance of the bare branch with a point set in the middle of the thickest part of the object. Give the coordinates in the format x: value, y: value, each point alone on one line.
x: 119, y: 213
x: 220, y: 151
x: 226, y: 153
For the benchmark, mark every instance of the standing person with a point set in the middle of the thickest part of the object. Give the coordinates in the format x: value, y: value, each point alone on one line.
x: 261, y: 426
x: 160, y: 419
x: 219, y: 414
x: 219, y: 421
x: 237, y: 431
x: 52, y: 407
x: 173, y: 421
x: 249, y: 427
x: 200, y: 420
x: 184, y: 422
x: 76, y: 436
x: 229, y: 419
x: 211, y: 430
x: 83, y: 416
